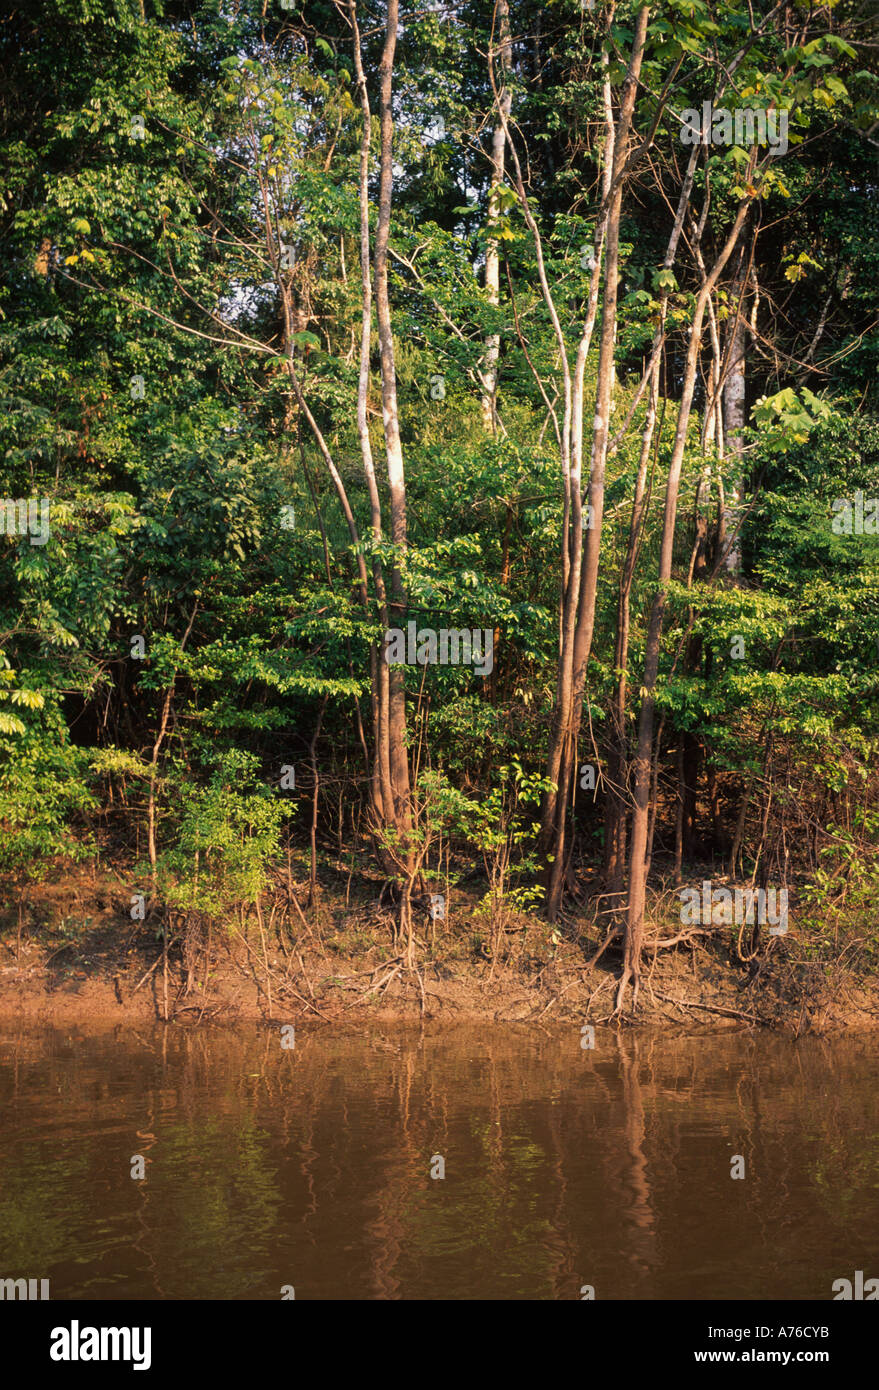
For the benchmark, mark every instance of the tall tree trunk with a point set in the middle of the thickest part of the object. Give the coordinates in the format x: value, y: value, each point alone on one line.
x: 617, y: 798
x: 492, y: 250
x: 616, y: 795
x: 579, y: 614
x: 399, y: 759
x: 734, y: 421
x: 382, y: 791
x: 643, y: 758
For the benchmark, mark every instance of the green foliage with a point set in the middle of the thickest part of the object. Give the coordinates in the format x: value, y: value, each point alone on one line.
x: 225, y: 840
x: 129, y: 258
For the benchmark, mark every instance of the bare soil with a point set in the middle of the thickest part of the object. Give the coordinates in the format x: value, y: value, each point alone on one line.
x: 79, y: 958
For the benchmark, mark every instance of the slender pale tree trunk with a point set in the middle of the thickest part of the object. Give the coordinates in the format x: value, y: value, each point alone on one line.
x: 643, y: 757
x: 554, y: 804
x: 734, y: 421
x: 382, y: 790
x: 399, y: 758
x: 579, y: 620
x: 616, y: 803
x: 492, y: 250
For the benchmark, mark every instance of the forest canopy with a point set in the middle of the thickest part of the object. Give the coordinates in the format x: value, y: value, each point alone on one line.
x: 439, y: 448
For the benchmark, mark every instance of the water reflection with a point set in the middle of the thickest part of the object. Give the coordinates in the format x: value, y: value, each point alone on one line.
x: 311, y: 1167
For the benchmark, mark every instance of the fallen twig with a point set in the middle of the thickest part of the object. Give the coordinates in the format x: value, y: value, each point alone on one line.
x: 711, y: 1008
x: 156, y: 962
x: 284, y: 984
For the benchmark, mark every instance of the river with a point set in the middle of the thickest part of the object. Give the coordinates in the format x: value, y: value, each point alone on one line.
x: 316, y: 1168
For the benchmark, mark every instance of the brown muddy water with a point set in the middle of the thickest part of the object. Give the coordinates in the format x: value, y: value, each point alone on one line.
x: 311, y: 1167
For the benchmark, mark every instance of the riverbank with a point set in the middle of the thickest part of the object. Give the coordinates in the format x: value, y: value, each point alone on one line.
x: 78, y: 957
